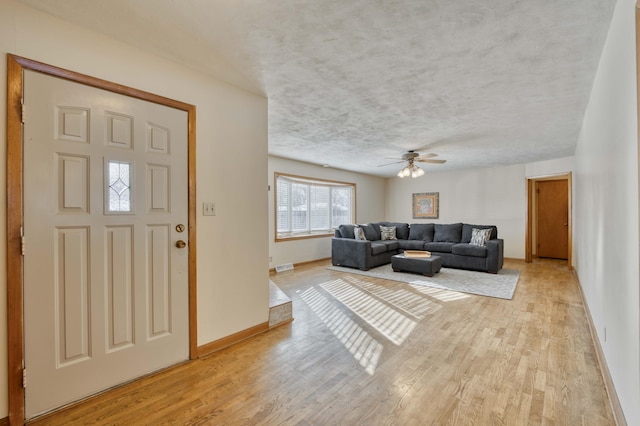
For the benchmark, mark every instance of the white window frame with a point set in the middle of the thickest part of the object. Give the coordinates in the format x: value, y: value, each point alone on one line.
x: 290, y: 234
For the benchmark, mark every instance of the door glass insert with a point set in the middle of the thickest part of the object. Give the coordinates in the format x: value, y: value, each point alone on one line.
x: 119, y: 186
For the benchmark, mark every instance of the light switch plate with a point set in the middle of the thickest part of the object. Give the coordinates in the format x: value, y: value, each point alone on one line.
x: 208, y: 208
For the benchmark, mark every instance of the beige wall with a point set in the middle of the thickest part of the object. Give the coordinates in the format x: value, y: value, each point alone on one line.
x: 491, y: 196
x: 370, y: 208
x: 232, y: 275
x: 606, y: 234
x: 494, y: 196
x: 480, y: 196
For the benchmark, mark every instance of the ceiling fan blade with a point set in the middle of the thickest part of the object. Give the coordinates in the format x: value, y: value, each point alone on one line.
x: 426, y: 160
x: 430, y: 155
x: 395, y: 162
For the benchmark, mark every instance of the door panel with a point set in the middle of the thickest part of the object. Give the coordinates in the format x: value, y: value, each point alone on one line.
x: 552, y: 219
x: 119, y: 280
x: 105, y: 287
x: 71, y: 250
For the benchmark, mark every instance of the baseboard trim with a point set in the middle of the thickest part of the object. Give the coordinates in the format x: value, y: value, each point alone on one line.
x: 296, y: 265
x: 616, y: 408
x: 232, y: 339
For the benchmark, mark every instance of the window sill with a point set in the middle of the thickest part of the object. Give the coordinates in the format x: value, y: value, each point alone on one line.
x: 303, y: 237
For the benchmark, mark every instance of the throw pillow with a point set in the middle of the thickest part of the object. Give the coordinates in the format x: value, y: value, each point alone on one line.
x: 479, y: 237
x: 468, y: 228
x: 388, y: 232
x: 402, y: 229
x: 359, y: 233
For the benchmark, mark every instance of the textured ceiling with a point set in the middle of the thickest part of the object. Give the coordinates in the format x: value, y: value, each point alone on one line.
x: 352, y: 83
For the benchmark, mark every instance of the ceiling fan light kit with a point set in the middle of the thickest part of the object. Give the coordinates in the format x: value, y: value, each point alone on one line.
x: 411, y: 170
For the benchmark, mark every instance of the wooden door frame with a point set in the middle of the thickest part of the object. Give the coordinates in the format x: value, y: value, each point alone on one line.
x: 15, y: 326
x: 531, y: 182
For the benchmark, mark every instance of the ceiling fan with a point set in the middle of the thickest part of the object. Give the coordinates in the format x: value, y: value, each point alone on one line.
x: 411, y: 169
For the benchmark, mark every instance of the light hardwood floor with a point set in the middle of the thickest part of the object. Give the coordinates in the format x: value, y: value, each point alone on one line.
x: 410, y: 356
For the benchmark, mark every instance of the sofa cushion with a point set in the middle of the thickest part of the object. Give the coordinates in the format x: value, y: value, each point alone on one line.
x: 388, y: 233
x: 346, y: 231
x: 468, y: 229
x: 391, y: 244
x: 411, y: 244
x: 439, y: 247
x: 421, y: 231
x: 358, y: 233
x: 378, y: 247
x: 370, y: 232
x: 479, y: 237
x: 402, y: 229
x: 449, y: 233
x: 469, y: 250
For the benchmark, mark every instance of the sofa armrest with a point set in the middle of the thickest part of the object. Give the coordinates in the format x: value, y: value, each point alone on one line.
x: 348, y: 252
x: 495, y: 255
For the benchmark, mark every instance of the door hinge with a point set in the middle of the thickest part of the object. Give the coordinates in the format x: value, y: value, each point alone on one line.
x: 22, y: 241
x: 24, y: 378
x: 23, y: 111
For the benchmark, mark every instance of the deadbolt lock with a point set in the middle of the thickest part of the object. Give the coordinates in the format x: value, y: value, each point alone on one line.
x: 180, y: 228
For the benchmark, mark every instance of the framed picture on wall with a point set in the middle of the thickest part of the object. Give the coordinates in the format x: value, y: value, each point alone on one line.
x: 426, y: 205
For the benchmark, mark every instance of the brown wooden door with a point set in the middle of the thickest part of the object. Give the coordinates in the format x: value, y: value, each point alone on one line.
x: 552, y: 219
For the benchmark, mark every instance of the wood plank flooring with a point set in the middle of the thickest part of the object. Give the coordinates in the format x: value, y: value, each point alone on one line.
x: 364, y: 351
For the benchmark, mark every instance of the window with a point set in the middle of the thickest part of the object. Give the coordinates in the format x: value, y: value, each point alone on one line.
x: 119, y: 187
x: 307, y: 207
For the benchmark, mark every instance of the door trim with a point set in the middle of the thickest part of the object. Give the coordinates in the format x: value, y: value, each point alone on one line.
x: 15, y: 329
x: 531, y: 218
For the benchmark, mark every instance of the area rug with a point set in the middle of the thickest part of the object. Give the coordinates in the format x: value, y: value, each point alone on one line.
x: 501, y: 285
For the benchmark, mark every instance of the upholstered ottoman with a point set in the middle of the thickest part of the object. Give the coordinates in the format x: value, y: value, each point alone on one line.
x: 419, y: 265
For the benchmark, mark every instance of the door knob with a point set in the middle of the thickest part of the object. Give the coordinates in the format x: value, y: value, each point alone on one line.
x: 181, y: 244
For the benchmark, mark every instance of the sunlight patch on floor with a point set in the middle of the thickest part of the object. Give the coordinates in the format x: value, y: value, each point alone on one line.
x: 442, y: 295
x: 389, y: 322
x: 413, y: 304
x: 364, y: 348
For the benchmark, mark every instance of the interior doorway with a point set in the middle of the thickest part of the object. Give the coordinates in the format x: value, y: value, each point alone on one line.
x: 549, y: 218
x: 552, y: 211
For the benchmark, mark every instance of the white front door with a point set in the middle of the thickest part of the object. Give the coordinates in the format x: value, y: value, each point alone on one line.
x: 105, y: 202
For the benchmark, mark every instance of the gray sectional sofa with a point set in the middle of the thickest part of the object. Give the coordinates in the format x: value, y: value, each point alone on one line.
x: 452, y: 242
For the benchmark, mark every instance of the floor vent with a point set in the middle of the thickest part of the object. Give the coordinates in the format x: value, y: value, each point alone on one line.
x: 284, y: 267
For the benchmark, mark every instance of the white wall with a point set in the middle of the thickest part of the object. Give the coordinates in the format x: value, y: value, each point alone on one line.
x: 606, y: 209
x: 549, y: 168
x: 369, y: 208
x: 232, y: 275
x: 491, y: 196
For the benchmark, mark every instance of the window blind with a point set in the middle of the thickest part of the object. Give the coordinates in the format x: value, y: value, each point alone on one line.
x: 308, y: 206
